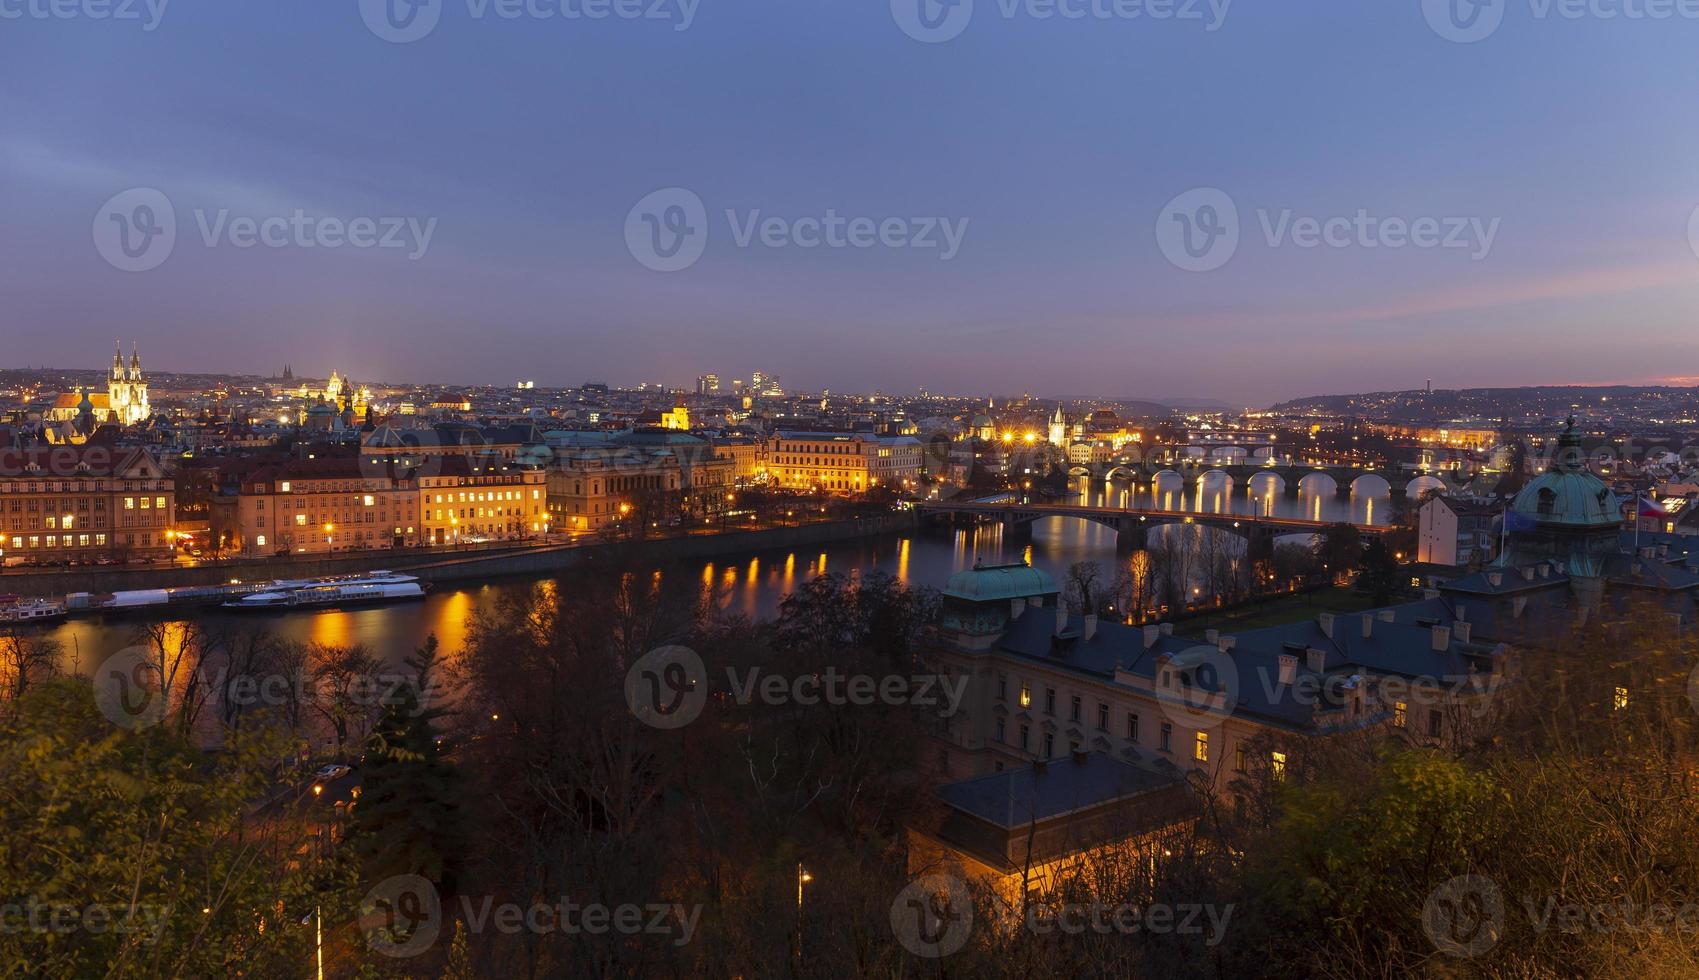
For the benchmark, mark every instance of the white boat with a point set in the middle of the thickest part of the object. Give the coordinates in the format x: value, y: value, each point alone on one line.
x: 32, y: 611
x: 347, y: 593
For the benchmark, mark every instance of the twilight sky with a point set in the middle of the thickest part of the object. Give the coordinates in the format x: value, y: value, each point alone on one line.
x: 1566, y: 149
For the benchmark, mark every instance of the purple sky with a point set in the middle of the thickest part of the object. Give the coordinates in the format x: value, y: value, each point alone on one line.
x: 524, y: 145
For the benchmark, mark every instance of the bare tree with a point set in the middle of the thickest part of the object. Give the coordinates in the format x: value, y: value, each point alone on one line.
x: 25, y: 659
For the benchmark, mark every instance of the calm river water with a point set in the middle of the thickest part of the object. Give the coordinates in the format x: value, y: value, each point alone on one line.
x: 754, y: 583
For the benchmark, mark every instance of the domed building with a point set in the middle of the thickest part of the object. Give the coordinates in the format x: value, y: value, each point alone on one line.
x: 1566, y: 516
x: 979, y: 603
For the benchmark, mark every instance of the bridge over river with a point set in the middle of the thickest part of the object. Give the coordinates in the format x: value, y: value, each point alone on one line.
x: 1288, y: 478
x: 1132, y: 526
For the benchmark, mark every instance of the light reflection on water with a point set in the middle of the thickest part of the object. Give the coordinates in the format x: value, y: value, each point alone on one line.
x: 750, y: 584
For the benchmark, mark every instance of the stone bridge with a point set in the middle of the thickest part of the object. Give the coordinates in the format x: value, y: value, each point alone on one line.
x: 1288, y: 477
x: 1132, y: 527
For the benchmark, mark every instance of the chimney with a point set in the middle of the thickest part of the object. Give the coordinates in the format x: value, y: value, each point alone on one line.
x: 1167, y: 629
x: 1386, y: 616
x: 1326, y: 621
x: 1317, y: 659
x: 1288, y: 668
x: 1226, y: 643
x: 1151, y: 635
x: 1210, y: 636
x: 1462, y: 630
x: 1528, y: 573
x: 1496, y: 578
x: 1430, y: 593
x: 1090, y: 627
x: 1442, y: 638
x: 1016, y: 607
x: 1368, y: 626
x: 1061, y: 619
x: 1462, y: 613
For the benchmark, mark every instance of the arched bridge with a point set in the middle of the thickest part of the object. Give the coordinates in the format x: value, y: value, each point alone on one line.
x: 1132, y: 526
x: 1289, y: 478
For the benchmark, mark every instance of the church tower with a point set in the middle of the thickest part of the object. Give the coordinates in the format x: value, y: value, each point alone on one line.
x: 126, y: 390
x: 1058, y: 428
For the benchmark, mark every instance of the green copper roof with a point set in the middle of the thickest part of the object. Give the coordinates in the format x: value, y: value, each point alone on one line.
x: 994, y: 583
x: 1567, y: 493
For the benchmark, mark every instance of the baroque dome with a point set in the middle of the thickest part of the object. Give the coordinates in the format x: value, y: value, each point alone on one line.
x: 1567, y: 494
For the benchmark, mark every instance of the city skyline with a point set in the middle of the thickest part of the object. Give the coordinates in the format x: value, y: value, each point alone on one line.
x: 1044, y: 262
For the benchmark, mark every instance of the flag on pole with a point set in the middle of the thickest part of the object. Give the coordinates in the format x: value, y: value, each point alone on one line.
x: 1651, y: 508
x: 1515, y: 520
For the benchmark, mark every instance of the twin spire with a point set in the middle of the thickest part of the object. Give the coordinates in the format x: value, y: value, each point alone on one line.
x: 118, y: 372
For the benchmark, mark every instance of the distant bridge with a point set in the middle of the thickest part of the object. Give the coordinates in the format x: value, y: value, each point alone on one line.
x: 1132, y: 526
x: 1288, y: 478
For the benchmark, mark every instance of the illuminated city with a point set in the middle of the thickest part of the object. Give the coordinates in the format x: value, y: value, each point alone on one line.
x: 921, y: 489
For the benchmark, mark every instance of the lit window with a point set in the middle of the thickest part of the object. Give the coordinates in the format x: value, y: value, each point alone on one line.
x: 1277, y: 765
x: 1620, y: 700
x: 1026, y: 695
x: 1399, y: 712
x: 1200, y: 747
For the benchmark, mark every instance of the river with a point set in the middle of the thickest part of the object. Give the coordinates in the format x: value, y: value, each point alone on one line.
x: 752, y: 583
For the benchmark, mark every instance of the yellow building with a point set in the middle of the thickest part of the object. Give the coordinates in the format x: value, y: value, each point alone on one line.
x: 79, y: 503
x: 469, y: 499
x: 591, y: 488
x: 843, y: 462
x: 317, y: 506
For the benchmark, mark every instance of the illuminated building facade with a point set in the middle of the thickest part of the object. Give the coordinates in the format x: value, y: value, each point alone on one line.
x: 843, y: 462
x: 75, y: 503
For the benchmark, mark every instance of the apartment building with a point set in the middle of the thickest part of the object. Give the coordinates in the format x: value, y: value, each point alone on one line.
x: 86, y: 502
x: 843, y: 462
